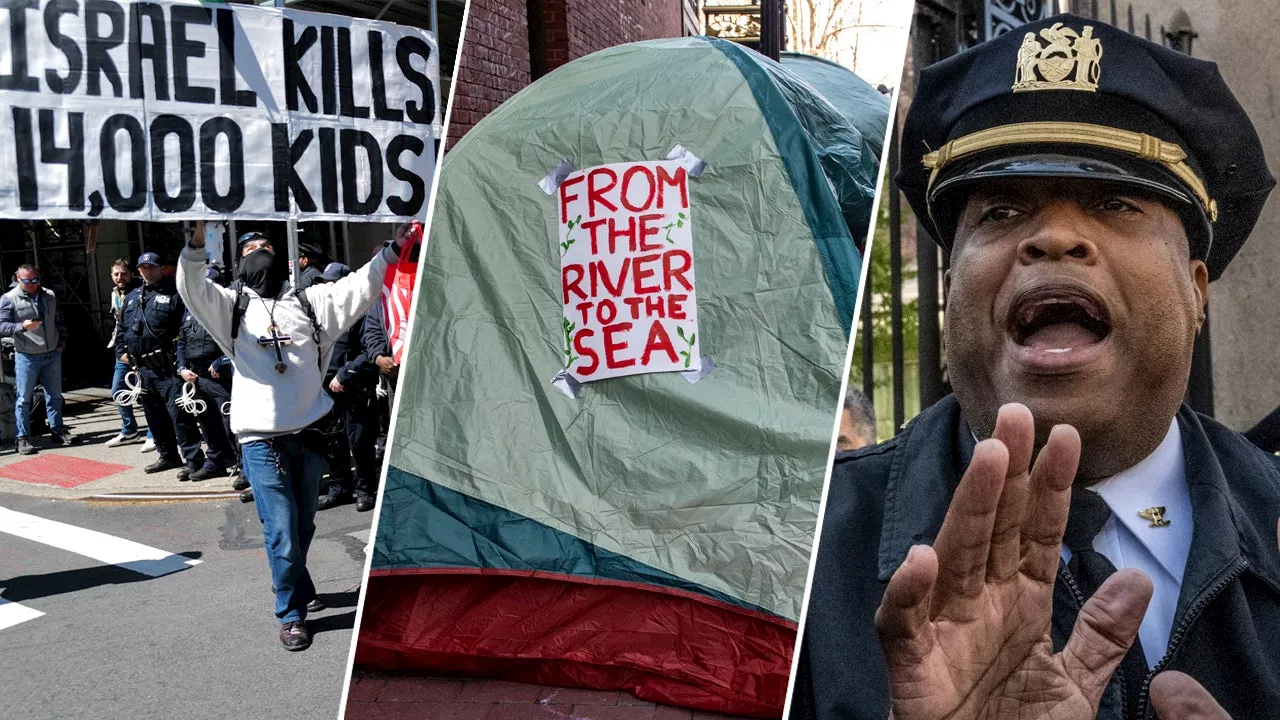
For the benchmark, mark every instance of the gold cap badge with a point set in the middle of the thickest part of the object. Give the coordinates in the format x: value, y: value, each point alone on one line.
x: 1154, y: 515
x: 1060, y: 59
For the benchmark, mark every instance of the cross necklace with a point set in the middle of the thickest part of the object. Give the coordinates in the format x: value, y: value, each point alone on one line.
x: 274, y: 339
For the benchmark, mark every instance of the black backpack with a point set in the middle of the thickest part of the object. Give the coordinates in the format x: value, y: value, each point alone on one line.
x: 242, y: 304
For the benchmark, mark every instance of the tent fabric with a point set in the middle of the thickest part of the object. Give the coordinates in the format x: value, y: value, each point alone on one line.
x: 807, y: 128
x: 459, y: 532
x: 863, y: 106
x: 644, y: 489
x: 666, y: 647
x: 862, y: 116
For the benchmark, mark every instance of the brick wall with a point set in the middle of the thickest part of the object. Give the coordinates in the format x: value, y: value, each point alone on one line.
x: 494, y: 64
x: 495, y: 61
x: 598, y: 24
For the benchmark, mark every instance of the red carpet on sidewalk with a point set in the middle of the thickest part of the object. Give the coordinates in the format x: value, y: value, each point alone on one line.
x: 61, y: 471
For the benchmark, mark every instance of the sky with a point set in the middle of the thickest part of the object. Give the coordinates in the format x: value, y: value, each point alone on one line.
x: 868, y: 36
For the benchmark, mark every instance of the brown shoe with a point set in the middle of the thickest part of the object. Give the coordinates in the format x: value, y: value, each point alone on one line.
x: 295, y: 636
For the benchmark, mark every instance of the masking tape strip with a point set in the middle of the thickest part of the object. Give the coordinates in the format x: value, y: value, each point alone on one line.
x: 691, y: 163
x: 551, y: 183
x: 566, y: 383
x: 694, y: 376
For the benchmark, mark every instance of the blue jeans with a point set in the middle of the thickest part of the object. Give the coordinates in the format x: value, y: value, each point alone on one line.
x: 128, y: 424
x: 46, y: 370
x: 285, y: 477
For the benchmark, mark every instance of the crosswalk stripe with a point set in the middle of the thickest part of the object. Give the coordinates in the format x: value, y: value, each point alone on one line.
x: 92, y: 544
x: 11, y: 613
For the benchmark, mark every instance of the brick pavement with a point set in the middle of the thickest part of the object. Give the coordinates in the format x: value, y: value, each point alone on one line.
x: 381, y: 696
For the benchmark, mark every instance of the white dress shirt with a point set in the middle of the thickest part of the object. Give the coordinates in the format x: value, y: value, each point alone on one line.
x: 1129, y: 541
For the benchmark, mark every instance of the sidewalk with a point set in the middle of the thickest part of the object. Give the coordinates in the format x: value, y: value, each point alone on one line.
x: 384, y: 696
x: 89, y: 468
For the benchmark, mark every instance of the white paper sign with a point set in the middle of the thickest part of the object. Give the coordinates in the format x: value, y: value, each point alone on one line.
x: 626, y: 270
x: 168, y: 110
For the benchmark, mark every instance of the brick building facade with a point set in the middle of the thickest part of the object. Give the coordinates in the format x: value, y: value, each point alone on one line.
x: 510, y: 43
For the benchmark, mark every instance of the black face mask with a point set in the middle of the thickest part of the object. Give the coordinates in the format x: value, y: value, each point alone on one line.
x: 263, y: 272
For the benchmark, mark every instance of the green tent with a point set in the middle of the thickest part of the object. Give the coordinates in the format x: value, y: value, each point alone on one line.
x: 652, y: 531
x: 863, y: 106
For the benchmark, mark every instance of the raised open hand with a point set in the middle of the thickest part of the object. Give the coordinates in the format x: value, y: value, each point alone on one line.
x: 965, y: 624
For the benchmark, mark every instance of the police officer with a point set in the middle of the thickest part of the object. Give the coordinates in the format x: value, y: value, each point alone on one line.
x: 1088, y: 186
x: 311, y: 265
x: 148, y: 326
x: 202, y: 364
x: 378, y: 349
x: 351, y: 381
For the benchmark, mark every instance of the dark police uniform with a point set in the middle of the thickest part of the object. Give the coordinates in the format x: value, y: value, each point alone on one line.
x: 197, y: 352
x: 354, y: 420
x: 148, y: 326
x: 1066, y: 98
x: 352, y: 424
x: 312, y: 273
x: 884, y: 499
x: 376, y: 344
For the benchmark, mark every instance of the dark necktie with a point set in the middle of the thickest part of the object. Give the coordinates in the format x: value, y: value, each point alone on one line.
x: 1090, y: 568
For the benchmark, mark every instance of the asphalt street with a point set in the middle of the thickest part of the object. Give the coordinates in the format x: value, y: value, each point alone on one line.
x: 161, y: 638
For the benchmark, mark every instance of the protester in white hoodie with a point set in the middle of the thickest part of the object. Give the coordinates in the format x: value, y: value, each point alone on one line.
x: 279, y: 355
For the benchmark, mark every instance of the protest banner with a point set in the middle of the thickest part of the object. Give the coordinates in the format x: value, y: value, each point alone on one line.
x: 170, y: 110
x: 626, y: 269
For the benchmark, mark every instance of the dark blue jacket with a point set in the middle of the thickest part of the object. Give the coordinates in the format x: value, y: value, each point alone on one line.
x: 197, y: 349
x: 150, y: 320
x: 375, y: 332
x: 349, y: 362
x: 884, y: 499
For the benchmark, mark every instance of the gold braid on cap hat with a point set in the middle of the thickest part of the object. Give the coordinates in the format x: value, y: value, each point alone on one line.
x: 1151, y: 149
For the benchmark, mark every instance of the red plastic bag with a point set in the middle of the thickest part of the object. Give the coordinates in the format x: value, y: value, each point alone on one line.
x: 397, y: 290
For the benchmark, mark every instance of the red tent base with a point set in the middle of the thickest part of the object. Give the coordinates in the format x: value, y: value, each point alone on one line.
x: 663, y: 645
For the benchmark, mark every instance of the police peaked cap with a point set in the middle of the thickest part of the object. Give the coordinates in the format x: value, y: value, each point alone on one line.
x: 1069, y: 97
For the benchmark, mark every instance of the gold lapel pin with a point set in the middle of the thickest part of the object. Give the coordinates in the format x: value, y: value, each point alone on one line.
x: 1154, y: 515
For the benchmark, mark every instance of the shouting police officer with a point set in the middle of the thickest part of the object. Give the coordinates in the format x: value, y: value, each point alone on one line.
x: 145, y: 336
x: 1089, y: 185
